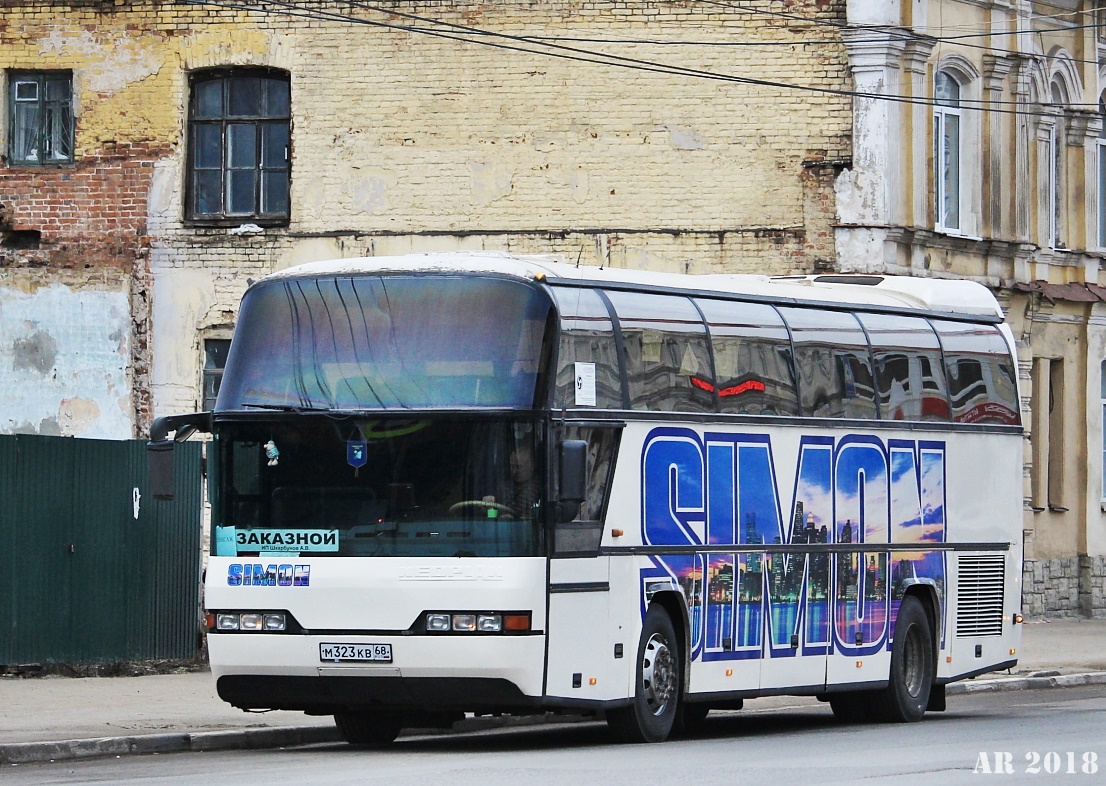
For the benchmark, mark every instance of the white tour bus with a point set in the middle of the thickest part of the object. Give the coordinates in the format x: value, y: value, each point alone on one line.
x: 482, y: 483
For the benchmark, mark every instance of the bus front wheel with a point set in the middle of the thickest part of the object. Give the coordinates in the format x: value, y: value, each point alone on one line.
x: 367, y: 728
x: 652, y: 710
x: 913, y: 667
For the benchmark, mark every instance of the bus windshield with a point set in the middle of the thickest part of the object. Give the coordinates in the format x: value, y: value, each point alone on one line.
x: 387, y: 342
x: 317, y: 485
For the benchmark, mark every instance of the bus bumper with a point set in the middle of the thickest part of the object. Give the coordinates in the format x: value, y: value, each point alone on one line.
x: 428, y: 673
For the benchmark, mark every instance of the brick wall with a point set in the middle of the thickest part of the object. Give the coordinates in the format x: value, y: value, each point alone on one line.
x: 408, y: 142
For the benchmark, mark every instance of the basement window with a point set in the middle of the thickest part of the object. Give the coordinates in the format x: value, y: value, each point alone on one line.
x: 40, y: 112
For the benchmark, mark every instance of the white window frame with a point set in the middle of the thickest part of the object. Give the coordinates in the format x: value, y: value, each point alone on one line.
x: 1102, y: 426
x: 943, y: 115
x: 1100, y: 150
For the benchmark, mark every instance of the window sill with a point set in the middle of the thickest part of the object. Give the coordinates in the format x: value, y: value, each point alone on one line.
x: 956, y: 233
x: 235, y: 223
x: 31, y: 166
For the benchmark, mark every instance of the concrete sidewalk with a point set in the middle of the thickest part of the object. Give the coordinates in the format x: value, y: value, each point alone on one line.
x: 53, y: 718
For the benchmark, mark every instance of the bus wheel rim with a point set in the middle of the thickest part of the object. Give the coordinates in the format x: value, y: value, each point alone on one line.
x: 913, y: 660
x: 658, y: 674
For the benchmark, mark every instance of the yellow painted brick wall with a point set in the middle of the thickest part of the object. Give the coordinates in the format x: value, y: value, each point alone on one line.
x: 407, y: 142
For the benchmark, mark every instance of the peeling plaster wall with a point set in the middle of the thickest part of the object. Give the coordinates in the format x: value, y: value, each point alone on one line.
x: 64, y: 357
x: 403, y: 142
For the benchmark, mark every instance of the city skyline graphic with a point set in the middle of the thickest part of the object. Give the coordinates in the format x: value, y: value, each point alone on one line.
x: 724, y: 489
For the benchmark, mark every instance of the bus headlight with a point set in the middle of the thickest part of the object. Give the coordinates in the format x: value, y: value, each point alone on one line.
x: 464, y: 622
x: 477, y: 622
x: 437, y: 622
x: 489, y: 623
x: 270, y: 622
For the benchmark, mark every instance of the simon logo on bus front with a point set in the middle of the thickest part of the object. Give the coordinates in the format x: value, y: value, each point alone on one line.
x: 719, y: 489
x: 256, y: 575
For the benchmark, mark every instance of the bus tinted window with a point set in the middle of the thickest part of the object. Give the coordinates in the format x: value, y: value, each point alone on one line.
x: 910, y: 377
x: 981, y: 372
x: 382, y: 342
x: 832, y: 361
x: 752, y: 358
x: 667, y: 359
x: 587, y: 337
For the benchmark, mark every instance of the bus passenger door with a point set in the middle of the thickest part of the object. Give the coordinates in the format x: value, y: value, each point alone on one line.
x: 579, y: 662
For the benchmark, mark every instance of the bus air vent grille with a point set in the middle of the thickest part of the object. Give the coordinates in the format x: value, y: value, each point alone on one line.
x: 979, y: 601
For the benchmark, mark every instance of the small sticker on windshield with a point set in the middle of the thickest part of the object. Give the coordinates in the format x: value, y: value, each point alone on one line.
x: 585, y: 384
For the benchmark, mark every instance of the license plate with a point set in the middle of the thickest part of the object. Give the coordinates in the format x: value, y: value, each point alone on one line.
x: 374, y: 653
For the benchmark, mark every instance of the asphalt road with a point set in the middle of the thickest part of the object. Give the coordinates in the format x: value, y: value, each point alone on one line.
x: 1035, y: 736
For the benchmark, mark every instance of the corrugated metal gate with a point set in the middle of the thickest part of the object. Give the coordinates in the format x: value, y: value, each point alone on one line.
x: 92, y: 568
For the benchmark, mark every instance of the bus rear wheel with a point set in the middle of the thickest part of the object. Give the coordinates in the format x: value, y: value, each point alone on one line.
x: 374, y: 729
x: 913, y: 667
x: 651, y: 713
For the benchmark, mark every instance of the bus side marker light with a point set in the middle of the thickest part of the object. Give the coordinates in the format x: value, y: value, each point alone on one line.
x: 592, y: 680
x: 948, y: 659
x: 1013, y: 651
x: 1018, y: 619
x: 729, y: 672
x: 617, y: 533
x: 860, y: 664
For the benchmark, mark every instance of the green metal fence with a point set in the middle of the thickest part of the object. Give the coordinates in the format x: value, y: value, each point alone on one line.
x: 93, y: 569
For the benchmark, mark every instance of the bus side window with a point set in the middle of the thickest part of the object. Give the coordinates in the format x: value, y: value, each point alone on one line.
x: 752, y: 357
x: 602, y: 447
x: 982, y: 385
x: 587, y: 336
x: 910, y: 379
x: 832, y: 361
x: 666, y: 352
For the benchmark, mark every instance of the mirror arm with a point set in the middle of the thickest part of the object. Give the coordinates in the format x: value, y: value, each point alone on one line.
x: 181, y: 425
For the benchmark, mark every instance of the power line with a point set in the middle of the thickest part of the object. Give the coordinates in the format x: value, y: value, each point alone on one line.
x: 525, y: 44
x: 907, y: 35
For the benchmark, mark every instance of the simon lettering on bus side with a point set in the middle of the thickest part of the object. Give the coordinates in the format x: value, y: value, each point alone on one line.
x: 722, y: 489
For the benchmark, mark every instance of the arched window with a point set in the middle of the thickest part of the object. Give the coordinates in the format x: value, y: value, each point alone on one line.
x: 1101, y: 147
x: 1054, y: 170
x: 239, y: 161
x: 946, y: 154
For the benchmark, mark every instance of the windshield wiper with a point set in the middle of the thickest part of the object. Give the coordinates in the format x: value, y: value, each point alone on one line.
x: 285, y: 407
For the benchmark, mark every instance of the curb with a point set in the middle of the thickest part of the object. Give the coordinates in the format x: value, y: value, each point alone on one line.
x: 26, y: 752
x: 1002, y: 684
x: 258, y: 739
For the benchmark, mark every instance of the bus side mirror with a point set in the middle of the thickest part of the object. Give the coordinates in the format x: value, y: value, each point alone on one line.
x: 159, y: 450
x: 573, y: 488
x: 159, y: 466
